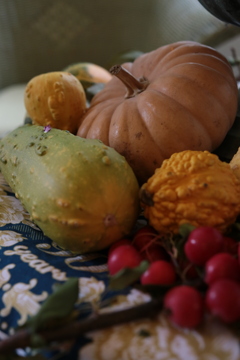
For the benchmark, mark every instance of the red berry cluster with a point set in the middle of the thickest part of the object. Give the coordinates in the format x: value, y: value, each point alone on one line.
x: 218, y: 257
x: 207, y: 255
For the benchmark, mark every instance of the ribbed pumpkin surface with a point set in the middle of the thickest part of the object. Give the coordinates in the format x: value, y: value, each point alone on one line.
x: 190, y: 103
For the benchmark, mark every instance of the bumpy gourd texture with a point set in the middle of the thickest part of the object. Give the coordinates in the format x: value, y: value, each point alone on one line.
x: 55, y: 99
x: 81, y: 193
x: 191, y: 187
x: 189, y: 103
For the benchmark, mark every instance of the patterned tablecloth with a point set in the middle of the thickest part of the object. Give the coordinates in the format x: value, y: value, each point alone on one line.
x: 30, y: 264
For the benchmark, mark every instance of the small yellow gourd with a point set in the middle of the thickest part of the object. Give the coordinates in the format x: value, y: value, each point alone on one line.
x: 89, y: 74
x: 192, y: 187
x: 55, y: 99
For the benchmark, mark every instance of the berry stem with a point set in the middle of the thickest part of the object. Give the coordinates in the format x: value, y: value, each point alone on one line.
x: 22, y: 337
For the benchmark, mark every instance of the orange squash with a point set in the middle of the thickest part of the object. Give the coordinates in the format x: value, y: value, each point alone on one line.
x: 182, y: 96
x: 193, y: 187
x: 56, y: 99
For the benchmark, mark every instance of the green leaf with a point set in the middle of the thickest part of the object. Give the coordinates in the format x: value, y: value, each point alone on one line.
x: 127, y: 276
x: 58, y: 306
x: 185, y: 229
x: 93, y: 90
x: 37, y: 341
x: 127, y: 56
x: 130, y: 55
x: 180, y: 239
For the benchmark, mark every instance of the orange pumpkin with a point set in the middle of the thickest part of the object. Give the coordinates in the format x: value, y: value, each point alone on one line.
x: 182, y: 96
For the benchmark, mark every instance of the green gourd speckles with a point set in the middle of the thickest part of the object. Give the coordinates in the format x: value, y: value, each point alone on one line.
x: 81, y: 193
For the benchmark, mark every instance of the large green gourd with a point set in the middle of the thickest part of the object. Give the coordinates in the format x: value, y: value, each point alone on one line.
x: 81, y: 193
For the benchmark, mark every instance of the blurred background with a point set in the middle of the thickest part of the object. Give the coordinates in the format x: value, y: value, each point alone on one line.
x: 48, y: 35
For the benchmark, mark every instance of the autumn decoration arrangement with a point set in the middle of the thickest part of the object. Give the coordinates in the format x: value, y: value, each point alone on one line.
x: 87, y: 194
x: 87, y: 168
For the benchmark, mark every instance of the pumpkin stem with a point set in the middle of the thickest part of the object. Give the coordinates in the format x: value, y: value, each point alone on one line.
x: 134, y: 86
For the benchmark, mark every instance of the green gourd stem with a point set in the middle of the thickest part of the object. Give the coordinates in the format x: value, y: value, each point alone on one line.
x: 134, y: 86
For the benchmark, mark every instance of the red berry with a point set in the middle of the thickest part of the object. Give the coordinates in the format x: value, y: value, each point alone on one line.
x: 221, y: 265
x: 154, y: 252
x: 230, y: 245
x: 143, y: 237
x: 188, y: 269
x: 223, y: 300
x: 145, y: 242
x: 119, y: 243
x: 159, y: 273
x: 186, y: 306
x: 124, y: 256
x: 202, y: 244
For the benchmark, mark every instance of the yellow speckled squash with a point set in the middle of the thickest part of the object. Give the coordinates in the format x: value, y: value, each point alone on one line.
x: 89, y: 74
x: 191, y: 187
x: 81, y: 193
x: 56, y: 99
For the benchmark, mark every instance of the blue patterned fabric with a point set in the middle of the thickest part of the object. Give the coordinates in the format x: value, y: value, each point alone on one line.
x: 31, y: 265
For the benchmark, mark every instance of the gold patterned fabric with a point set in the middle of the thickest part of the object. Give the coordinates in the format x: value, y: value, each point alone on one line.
x: 30, y: 266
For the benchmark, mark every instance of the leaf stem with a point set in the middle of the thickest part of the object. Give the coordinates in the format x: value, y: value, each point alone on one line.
x: 22, y: 338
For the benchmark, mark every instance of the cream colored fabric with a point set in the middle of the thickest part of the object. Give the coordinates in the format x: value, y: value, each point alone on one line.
x: 12, y: 110
x: 47, y: 35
